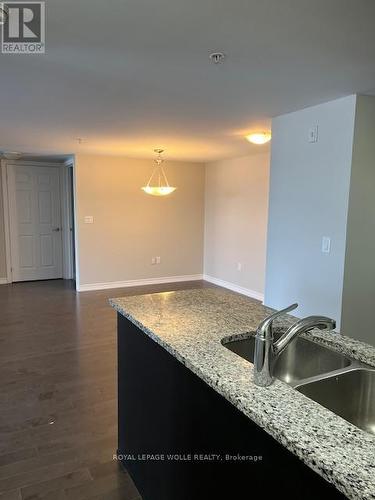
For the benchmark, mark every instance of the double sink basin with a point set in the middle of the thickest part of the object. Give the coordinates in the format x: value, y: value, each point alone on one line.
x: 343, y: 385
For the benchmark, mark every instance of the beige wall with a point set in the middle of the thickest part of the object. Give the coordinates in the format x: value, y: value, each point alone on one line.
x: 130, y: 227
x: 359, y: 277
x: 236, y: 220
x: 3, y: 271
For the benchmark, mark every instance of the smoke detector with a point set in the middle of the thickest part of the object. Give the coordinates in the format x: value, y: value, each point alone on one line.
x: 217, y: 57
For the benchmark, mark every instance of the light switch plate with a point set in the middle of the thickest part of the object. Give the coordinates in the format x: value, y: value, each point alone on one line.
x: 326, y: 244
x: 313, y: 134
x: 89, y: 219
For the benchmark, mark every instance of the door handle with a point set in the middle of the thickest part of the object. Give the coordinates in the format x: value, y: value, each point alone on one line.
x: 56, y: 229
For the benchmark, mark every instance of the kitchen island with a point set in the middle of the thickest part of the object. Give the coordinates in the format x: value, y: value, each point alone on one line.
x: 192, y: 424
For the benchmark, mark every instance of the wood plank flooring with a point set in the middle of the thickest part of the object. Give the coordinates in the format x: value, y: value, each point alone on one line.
x: 58, y: 404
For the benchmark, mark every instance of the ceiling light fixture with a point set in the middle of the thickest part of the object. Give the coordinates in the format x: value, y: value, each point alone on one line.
x: 259, y: 137
x: 161, y: 186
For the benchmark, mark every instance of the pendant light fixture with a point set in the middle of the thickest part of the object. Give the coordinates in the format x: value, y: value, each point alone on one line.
x: 158, y: 183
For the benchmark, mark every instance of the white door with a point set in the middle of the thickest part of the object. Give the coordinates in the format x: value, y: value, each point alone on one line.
x: 35, y: 222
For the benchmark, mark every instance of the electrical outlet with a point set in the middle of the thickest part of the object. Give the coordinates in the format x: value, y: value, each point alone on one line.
x: 239, y: 266
x: 158, y: 260
x: 153, y: 261
x: 88, y: 219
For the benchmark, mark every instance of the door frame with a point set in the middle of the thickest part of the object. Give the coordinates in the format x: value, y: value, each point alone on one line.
x: 4, y: 185
x: 66, y: 196
x: 67, y: 219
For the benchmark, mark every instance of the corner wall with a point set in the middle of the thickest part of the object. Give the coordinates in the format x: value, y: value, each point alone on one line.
x: 236, y: 208
x: 130, y: 227
x: 309, y: 196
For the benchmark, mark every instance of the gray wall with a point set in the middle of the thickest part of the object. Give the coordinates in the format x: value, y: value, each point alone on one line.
x: 309, y: 193
x: 236, y: 209
x: 359, y: 281
x: 3, y: 271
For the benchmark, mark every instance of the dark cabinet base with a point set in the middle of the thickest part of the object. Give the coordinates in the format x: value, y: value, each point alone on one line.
x: 164, y: 409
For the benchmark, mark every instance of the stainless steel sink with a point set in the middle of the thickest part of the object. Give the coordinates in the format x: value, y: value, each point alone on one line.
x: 302, y: 359
x: 340, y: 384
x: 351, y: 395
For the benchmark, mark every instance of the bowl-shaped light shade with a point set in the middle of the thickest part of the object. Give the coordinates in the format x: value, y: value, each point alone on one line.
x: 259, y: 137
x: 158, y: 190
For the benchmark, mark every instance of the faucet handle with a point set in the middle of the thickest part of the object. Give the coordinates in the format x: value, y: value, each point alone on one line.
x: 265, y: 327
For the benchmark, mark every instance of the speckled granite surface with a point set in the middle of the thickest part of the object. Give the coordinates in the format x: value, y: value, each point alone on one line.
x: 191, y: 325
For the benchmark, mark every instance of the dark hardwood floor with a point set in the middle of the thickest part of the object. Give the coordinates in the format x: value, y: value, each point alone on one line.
x: 58, y: 403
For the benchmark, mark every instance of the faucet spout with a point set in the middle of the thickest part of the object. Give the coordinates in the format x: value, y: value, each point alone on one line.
x: 302, y: 326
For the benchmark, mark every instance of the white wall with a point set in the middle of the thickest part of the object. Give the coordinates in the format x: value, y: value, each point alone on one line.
x: 130, y: 227
x: 359, y: 280
x: 236, y: 206
x: 309, y: 193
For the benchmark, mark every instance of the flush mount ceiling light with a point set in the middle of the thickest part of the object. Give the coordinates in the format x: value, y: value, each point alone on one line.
x: 259, y: 137
x: 158, y: 184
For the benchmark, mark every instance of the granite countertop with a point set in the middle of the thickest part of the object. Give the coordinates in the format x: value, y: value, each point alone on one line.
x: 192, y: 324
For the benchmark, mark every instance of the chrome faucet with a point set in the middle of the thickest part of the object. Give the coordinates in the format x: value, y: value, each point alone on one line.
x: 267, y: 351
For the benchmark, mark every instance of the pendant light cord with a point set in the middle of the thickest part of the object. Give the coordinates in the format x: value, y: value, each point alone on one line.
x: 159, y: 170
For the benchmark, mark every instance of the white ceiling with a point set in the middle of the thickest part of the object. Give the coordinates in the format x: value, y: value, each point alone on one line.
x: 131, y: 75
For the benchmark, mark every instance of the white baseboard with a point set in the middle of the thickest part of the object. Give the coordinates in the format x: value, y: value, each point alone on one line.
x: 3, y: 281
x: 125, y: 284
x: 235, y: 288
